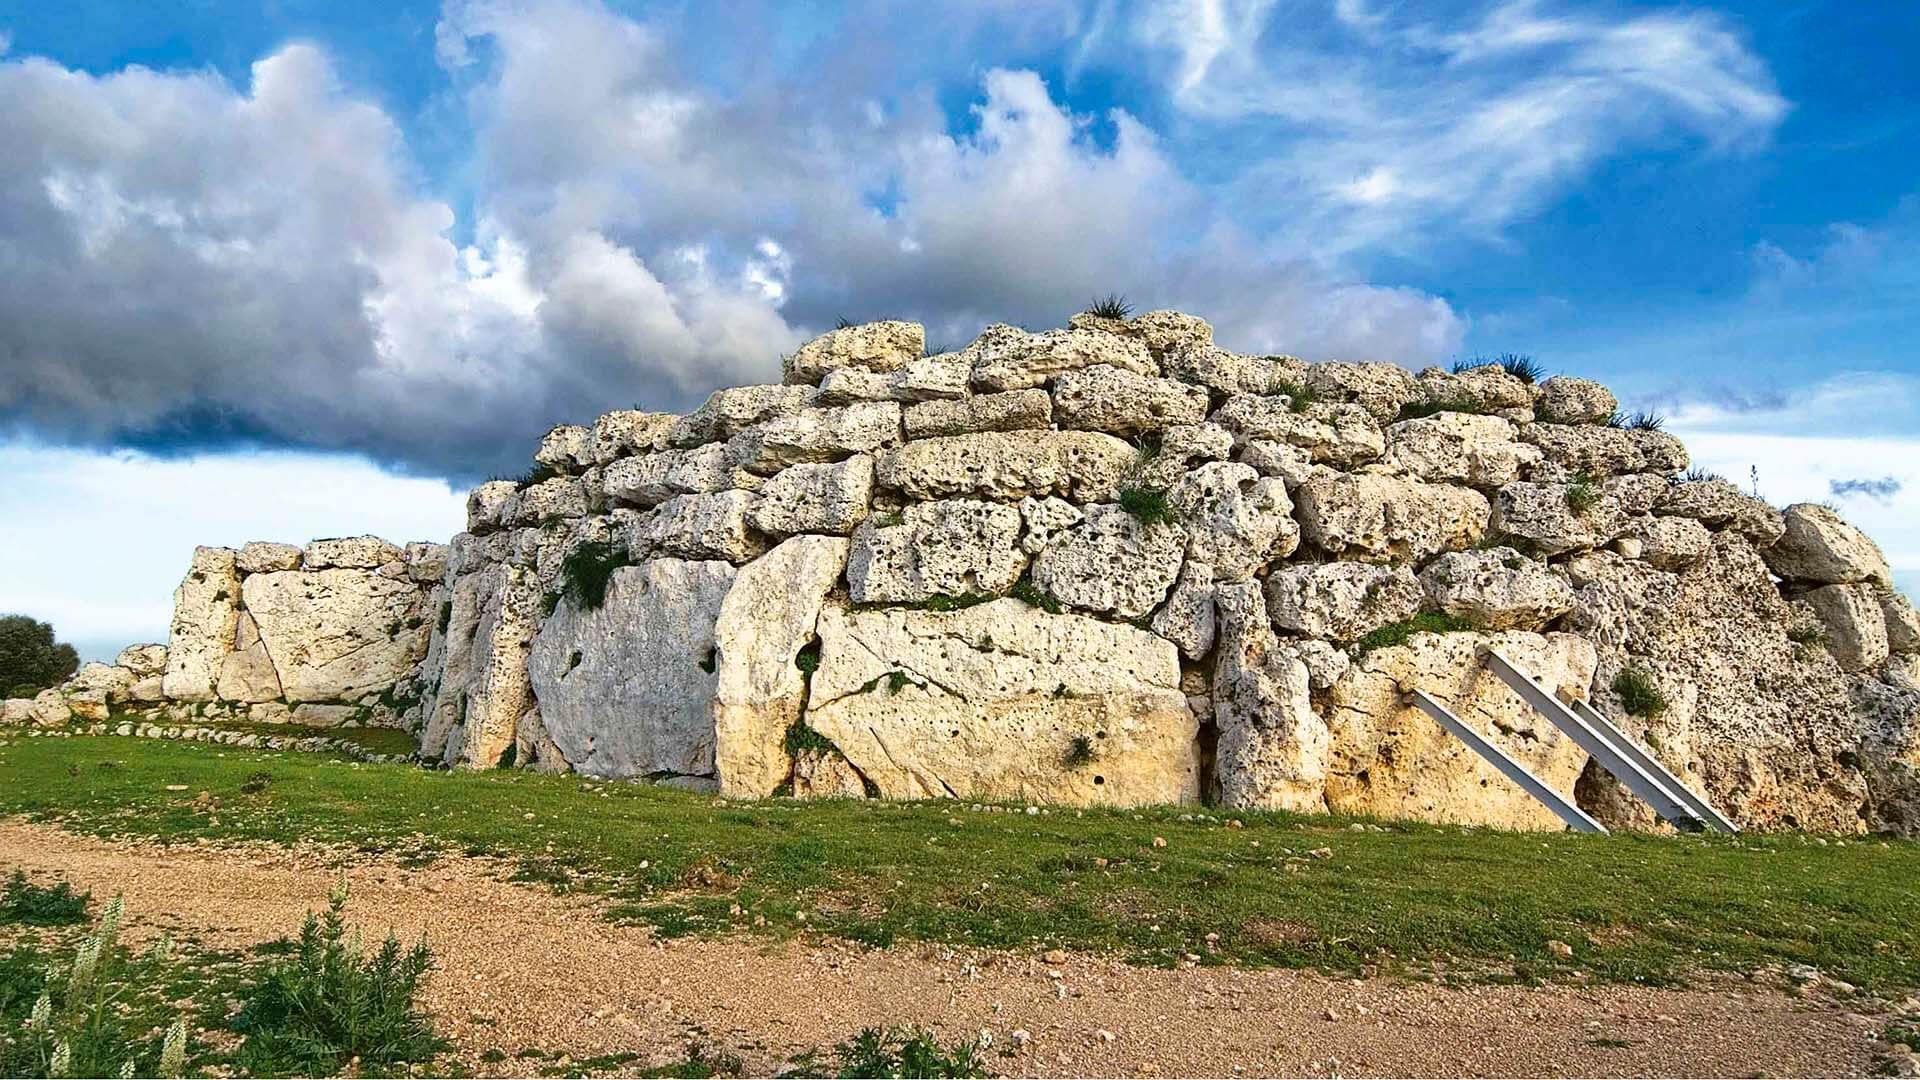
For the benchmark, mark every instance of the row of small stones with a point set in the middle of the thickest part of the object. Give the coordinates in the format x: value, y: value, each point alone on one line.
x: 310, y: 744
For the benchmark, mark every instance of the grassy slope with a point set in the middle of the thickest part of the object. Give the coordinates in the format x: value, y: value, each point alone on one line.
x: 1411, y: 898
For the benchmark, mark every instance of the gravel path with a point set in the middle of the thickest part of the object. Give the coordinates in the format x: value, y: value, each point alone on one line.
x: 526, y: 969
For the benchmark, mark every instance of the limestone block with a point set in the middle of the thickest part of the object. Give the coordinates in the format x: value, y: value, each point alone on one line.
x: 1459, y: 448
x: 1230, y: 373
x: 1718, y: 505
x: 1084, y: 466
x: 950, y: 547
x: 1496, y: 589
x: 426, y: 563
x: 206, y: 608
x: 323, y: 716
x: 247, y: 674
x: 1341, y: 601
x: 1004, y: 701
x: 625, y: 689
x: 549, y: 500
x: 1376, y: 517
x: 1817, y: 546
x: 489, y: 505
x: 875, y: 346
x: 728, y: 412
x: 143, y: 660
x: 1015, y: 410
x: 261, y: 557
x: 1566, y: 450
x: 1272, y: 749
x: 567, y: 448
x: 1543, y: 516
x: 483, y: 688
x: 699, y: 527
x: 826, y: 774
x: 1008, y: 358
x: 1180, y: 448
x: 1671, y: 543
x: 1342, y: 435
x: 815, y: 435
x: 820, y: 498
x: 1162, y: 332
x: 1381, y: 389
x: 1044, y: 519
x: 1564, y: 399
x: 1292, y: 465
x: 627, y: 432
x: 1125, y: 403
x: 336, y: 634
x: 1488, y: 387
x: 1856, y: 627
x: 1903, y: 625
x: 1111, y: 563
x: 1187, y: 618
x: 652, y: 479
x: 767, y: 617
x: 1236, y: 520
x: 349, y: 552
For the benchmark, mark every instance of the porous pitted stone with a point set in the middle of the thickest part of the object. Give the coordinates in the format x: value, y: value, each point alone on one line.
x: 1272, y: 749
x: 1381, y: 389
x: 816, y: 435
x: 949, y: 547
x: 875, y: 346
x: 1542, y: 516
x: 1232, y: 373
x: 1486, y: 388
x: 625, y: 688
x: 768, y: 616
x: 1344, y: 436
x: 1121, y: 402
x: 1043, y: 519
x: 1161, y: 331
x: 628, y: 432
x: 728, y: 412
x: 1236, y: 521
x: 1392, y: 760
x: 247, y: 674
x: 1566, y: 400
x: 1341, y: 601
x: 1496, y: 589
x: 566, y: 449
x: 1375, y: 517
x: 206, y: 608
x: 1458, y: 448
x: 1008, y: 358
x: 489, y: 505
x: 822, y: 498
x: 426, y: 563
x: 262, y: 557
x: 336, y: 634
x: 549, y: 500
x: 1085, y: 466
x: 654, y: 478
x: 145, y: 661
x: 1903, y: 623
x: 1671, y: 543
x: 1856, y: 627
x: 698, y: 527
x: 1004, y: 701
x: 350, y: 553
x: 1111, y: 563
x: 1817, y: 546
x: 1015, y: 410
x: 1179, y: 449
x: 1568, y: 450
x: 1187, y: 618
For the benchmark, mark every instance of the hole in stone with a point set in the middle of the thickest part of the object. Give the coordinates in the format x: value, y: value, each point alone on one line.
x: 1099, y: 779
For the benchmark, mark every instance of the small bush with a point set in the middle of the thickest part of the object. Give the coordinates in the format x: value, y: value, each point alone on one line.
x: 1582, y: 494
x: 1432, y: 622
x: 1033, y: 595
x: 842, y: 323
x: 1149, y: 506
x: 22, y: 902
x: 955, y: 602
x: 800, y: 737
x: 1079, y: 750
x: 1520, y: 366
x: 330, y: 1004
x: 587, y: 570
x: 1147, y: 445
x: 1639, y: 694
x: 1299, y: 397
x: 92, y: 1017
x: 904, y: 1052
x: 896, y: 681
x: 1111, y: 306
x: 808, y: 658
x: 1646, y: 421
x: 536, y: 475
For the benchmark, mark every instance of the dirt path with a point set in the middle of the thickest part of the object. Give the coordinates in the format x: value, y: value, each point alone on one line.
x: 523, y: 968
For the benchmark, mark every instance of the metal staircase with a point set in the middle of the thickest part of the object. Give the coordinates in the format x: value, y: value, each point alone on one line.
x: 1640, y: 771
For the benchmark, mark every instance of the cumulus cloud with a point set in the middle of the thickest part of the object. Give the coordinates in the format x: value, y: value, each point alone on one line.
x: 1884, y: 488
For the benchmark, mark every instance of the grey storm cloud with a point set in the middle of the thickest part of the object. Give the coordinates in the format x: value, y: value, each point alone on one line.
x: 190, y: 262
x: 1884, y: 488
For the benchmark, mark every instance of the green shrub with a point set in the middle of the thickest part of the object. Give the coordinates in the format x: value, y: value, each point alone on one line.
x: 1582, y: 494
x: 800, y: 737
x: 30, y: 659
x: 1147, y: 444
x: 41, y: 905
x: 1300, y: 397
x: 1149, y: 506
x: 1639, y: 694
x: 901, y: 1052
x: 1432, y: 622
x: 1646, y: 421
x: 1079, y: 750
x: 330, y: 1004
x: 952, y: 602
x: 1111, y: 306
x: 1520, y: 366
x: 587, y: 570
x: 1033, y: 595
x: 808, y: 658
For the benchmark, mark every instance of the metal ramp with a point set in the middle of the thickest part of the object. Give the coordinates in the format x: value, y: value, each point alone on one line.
x: 1626, y: 760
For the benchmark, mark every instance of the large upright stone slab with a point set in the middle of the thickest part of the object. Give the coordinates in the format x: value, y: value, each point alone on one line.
x: 484, y: 690
x: 625, y: 689
x: 1272, y: 752
x: 1004, y: 701
x: 336, y: 634
x: 206, y: 610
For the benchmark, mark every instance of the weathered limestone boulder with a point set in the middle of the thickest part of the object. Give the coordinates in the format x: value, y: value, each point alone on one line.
x: 1015, y: 410
x: 1489, y: 387
x: 1659, y: 451
x: 875, y: 346
x: 1162, y: 332
x: 484, y: 689
x: 1459, y: 448
x: 1637, y: 494
x: 1236, y: 521
x: 1187, y: 618
x: 1381, y: 389
x: 1111, y: 563
x: 1122, y: 402
x: 624, y: 689
x: 1292, y: 465
x: 1326, y: 663
x: 1272, y: 748
x: 104, y: 682
x: 311, y: 714
x: 1570, y: 450
x: 247, y: 674
x: 652, y: 479
x: 1817, y: 546
x: 426, y: 563
x: 490, y: 505
x: 1496, y: 589
x: 820, y: 498
x: 1341, y: 601
x: 350, y: 553
x: 699, y: 527
x: 767, y: 617
x: 16, y: 712
x: 1340, y: 435
x: 1008, y: 358
x: 1181, y: 448
x: 1856, y: 627
x: 926, y: 379
x: 1671, y: 543
x: 1085, y: 466
x: 1231, y: 373
x: 1718, y: 505
x: 1004, y: 701
x: 533, y: 748
x: 1045, y: 519
x: 336, y: 634
x: 567, y: 448
x: 826, y: 774
x: 626, y: 432
x: 547, y: 501
x: 1903, y: 623
x: 261, y: 557
x: 1564, y: 399
x: 206, y: 608
x: 145, y: 661
x: 1375, y: 517
x: 950, y: 547
x: 50, y: 708
x: 1554, y: 518
x: 815, y: 435
x: 1390, y: 759
x: 728, y: 412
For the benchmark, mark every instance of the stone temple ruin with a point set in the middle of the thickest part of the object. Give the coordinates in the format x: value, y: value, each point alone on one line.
x: 1106, y: 564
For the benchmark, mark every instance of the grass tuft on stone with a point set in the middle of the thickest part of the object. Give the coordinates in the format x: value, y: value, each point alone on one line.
x: 1582, y: 493
x: 1033, y: 595
x: 1111, y: 306
x: 1521, y: 366
x: 1300, y: 397
x: 1639, y: 695
x: 1149, y: 506
x: 801, y: 738
x: 1431, y: 622
x: 587, y: 571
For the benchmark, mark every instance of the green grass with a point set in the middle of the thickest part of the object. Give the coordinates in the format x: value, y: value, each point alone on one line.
x: 587, y: 569
x: 1432, y: 622
x: 1582, y: 494
x: 1639, y: 694
x: 1299, y: 397
x: 894, y: 1052
x: 1111, y: 306
x: 27, y: 904
x: 1033, y: 595
x: 374, y: 740
x: 1149, y: 506
x: 1410, y: 899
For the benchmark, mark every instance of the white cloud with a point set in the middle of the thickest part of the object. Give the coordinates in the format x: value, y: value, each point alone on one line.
x: 95, y: 542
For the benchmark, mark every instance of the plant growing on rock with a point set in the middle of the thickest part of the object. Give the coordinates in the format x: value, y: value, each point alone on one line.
x: 895, y: 1052
x: 1033, y: 595
x: 1149, y: 506
x: 1111, y: 306
x: 1299, y: 397
x: 587, y: 570
x: 1639, y: 695
x: 1521, y: 366
x: 1582, y: 493
x: 1079, y: 752
x: 1432, y: 622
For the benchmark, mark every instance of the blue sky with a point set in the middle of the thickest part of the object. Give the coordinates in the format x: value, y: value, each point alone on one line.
x: 255, y: 249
